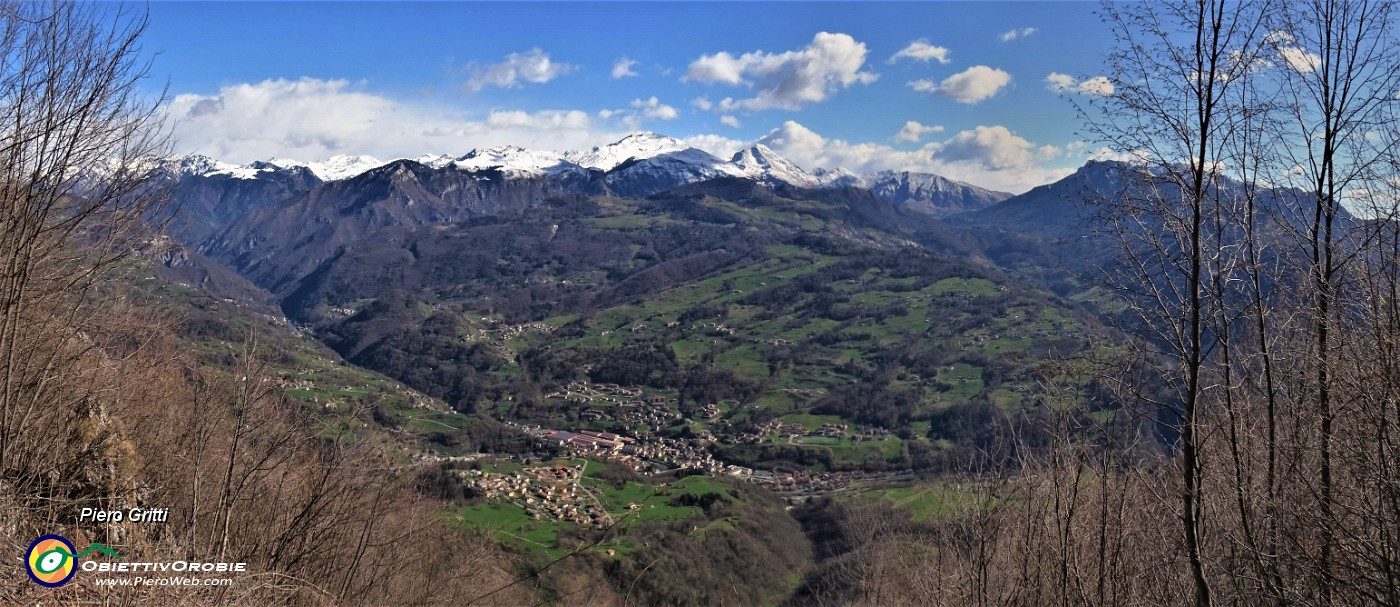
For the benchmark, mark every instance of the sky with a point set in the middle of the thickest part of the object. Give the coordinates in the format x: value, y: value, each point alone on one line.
x: 980, y: 92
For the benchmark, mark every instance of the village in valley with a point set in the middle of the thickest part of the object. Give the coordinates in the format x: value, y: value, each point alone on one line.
x: 555, y: 489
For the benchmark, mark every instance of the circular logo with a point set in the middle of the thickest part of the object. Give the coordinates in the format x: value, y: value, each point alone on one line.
x: 50, y: 561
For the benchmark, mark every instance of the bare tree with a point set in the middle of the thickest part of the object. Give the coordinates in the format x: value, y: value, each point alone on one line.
x: 1340, y: 71
x: 74, y: 131
x: 1174, y: 68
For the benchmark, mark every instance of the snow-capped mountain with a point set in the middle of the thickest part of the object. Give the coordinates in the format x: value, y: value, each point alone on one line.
x: 640, y: 164
x: 637, y: 146
x: 198, y: 165
x: 665, y: 171
x: 436, y: 161
x: 837, y: 178
x: 335, y: 168
x: 763, y: 164
x: 515, y: 161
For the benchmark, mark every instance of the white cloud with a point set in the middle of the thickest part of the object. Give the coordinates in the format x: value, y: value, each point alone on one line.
x: 970, y: 86
x: 702, y: 103
x: 990, y: 157
x: 1060, y: 83
x: 1293, y: 55
x: 1017, y: 33
x: 654, y: 109
x: 789, y: 80
x: 718, y: 145
x: 728, y: 120
x: 1300, y: 59
x: 543, y: 120
x: 1099, y: 86
x: 638, y: 112
x: 720, y: 67
x: 921, y: 50
x: 623, y: 68
x: 913, y: 131
x: 995, y: 148
x: 313, y: 119
x: 533, y: 66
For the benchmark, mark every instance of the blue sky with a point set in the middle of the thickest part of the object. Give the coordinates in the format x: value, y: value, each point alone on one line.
x: 986, y: 85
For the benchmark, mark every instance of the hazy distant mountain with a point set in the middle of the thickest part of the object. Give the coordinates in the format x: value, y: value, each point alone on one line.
x: 929, y: 193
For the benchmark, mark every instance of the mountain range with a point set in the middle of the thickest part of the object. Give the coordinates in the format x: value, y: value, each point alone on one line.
x: 212, y: 192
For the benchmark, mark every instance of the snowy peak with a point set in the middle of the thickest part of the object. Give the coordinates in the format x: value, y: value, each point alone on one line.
x: 203, y: 166
x: 435, y: 161
x: 687, y: 161
x: 343, y: 166
x: 837, y: 178
x: 763, y: 164
x: 515, y: 161
x: 329, y: 169
x: 640, y: 164
x: 665, y: 171
x: 637, y: 146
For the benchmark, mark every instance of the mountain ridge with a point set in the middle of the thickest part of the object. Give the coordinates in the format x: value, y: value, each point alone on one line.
x: 639, y: 164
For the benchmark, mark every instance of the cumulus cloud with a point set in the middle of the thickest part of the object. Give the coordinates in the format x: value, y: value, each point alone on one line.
x: 921, y: 50
x: 789, y: 80
x: 970, y: 86
x: 995, y: 148
x: 1099, y: 86
x: 1017, y: 33
x: 1060, y: 83
x: 718, y: 145
x: 913, y: 131
x: 622, y: 68
x: 640, y: 111
x: 990, y: 157
x: 653, y: 108
x: 313, y: 119
x: 533, y: 66
x: 728, y: 120
x: 702, y: 103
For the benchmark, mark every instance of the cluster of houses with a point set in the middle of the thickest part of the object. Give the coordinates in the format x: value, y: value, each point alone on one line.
x: 550, y: 492
x: 642, y: 455
x: 506, y: 332
x: 787, y: 432
x: 601, y: 394
x: 611, y: 402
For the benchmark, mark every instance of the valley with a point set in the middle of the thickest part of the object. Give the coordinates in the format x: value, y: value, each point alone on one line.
x: 588, y: 364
